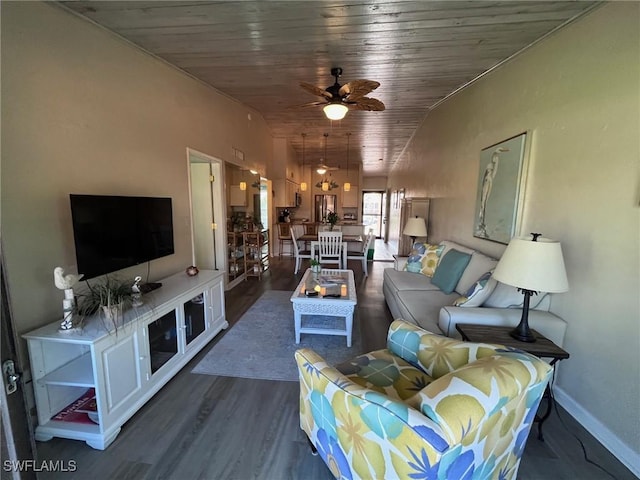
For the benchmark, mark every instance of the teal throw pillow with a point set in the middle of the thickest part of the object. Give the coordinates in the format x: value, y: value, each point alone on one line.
x: 450, y: 269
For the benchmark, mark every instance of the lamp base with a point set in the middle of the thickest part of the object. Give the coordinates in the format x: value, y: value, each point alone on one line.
x: 527, y: 337
x: 522, y: 331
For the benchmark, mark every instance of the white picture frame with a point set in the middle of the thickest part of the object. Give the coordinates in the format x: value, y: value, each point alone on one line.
x: 502, y: 179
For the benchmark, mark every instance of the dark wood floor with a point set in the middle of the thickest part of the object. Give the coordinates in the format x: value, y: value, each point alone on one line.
x: 206, y: 427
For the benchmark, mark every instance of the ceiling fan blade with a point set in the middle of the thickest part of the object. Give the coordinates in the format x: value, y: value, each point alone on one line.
x: 369, y: 104
x: 357, y: 89
x: 312, y: 89
x: 304, y: 105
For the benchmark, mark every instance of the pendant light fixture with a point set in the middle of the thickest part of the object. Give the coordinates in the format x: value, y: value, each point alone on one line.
x: 347, y: 185
x: 321, y: 169
x: 325, y: 184
x: 303, y: 184
x: 243, y: 184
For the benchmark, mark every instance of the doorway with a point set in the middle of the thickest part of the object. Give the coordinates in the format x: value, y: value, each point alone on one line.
x: 374, y: 212
x: 18, y: 444
x: 207, y: 217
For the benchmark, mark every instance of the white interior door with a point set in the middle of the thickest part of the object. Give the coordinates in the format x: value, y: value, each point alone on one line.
x: 207, y: 218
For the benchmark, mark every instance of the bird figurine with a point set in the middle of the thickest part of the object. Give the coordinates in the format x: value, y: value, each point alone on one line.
x: 64, y: 282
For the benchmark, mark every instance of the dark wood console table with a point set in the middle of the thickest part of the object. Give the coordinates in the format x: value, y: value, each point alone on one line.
x: 542, y: 348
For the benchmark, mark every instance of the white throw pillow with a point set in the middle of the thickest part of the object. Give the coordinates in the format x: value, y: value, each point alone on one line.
x: 478, y: 292
x: 506, y: 296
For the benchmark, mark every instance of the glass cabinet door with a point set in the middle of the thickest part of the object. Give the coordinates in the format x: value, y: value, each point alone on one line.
x: 195, y: 321
x: 163, y: 340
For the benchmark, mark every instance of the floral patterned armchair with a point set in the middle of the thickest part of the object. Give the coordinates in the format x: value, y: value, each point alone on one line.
x: 425, y: 407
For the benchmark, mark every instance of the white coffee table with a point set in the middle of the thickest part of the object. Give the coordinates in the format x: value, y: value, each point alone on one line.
x: 342, y: 306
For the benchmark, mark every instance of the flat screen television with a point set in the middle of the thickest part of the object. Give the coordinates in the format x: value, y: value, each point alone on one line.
x: 114, y: 232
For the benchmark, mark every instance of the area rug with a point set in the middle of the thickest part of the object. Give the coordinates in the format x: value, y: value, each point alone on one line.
x: 262, y: 343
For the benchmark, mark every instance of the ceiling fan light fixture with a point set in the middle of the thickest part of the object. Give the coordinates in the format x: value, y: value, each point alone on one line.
x: 335, y: 111
x: 325, y: 186
x: 321, y: 170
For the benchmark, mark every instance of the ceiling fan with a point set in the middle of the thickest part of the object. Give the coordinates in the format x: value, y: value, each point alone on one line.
x: 339, y: 98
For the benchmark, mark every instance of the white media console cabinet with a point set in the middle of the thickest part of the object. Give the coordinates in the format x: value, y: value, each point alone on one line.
x: 124, y: 367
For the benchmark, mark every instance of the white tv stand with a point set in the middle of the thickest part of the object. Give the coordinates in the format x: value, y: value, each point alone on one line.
x: 125, y: 367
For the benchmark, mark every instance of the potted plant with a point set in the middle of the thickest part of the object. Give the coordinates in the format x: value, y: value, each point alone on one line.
x: 315, y: 265
x: 332, y: 218
x: 109, y: 299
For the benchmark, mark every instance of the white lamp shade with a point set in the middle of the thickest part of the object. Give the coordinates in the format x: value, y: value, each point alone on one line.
x: 415, y: 227
x: 335, y: 111
x: 536, y: 266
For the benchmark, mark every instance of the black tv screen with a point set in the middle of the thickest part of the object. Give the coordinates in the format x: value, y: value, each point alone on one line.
x: 112, y: 232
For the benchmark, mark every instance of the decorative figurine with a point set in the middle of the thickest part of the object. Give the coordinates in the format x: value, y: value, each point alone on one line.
x: 136, y: 294
x: 192, y: 271
x: 66, y: 283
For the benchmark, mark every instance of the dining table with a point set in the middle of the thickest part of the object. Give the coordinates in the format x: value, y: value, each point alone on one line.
x: 348, y: 239
x: 345, y: 238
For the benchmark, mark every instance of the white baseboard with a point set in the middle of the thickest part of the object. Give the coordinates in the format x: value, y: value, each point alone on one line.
x: 611, y: 442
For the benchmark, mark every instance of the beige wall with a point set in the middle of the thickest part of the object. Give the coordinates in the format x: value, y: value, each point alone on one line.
x: 374, y: 183
x: 578, y: 94
x: 85, y: 112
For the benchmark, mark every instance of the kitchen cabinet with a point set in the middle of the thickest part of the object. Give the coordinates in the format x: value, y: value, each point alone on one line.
x: 112, y: 374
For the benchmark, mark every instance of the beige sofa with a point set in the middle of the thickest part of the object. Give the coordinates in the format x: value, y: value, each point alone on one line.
x: 413, y: 297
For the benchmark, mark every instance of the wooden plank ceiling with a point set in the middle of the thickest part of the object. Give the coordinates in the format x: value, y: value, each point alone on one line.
x: 259, y: 52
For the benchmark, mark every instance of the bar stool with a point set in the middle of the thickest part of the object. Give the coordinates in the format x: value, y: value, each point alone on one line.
x: 284, y: 235
x: 310, y: 228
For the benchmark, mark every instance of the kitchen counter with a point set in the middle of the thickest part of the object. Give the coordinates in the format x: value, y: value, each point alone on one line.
x: 346, y: 223
x: 348, y: 228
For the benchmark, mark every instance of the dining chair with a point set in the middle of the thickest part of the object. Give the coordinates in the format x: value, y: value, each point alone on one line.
x: 330, y: 248
x: 284, y: 236
x: 362, y: 254
x: 299, y: 254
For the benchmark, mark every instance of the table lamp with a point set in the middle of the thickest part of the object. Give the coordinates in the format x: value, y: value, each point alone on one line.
x: 532, y: 265
x: 415, y: 227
